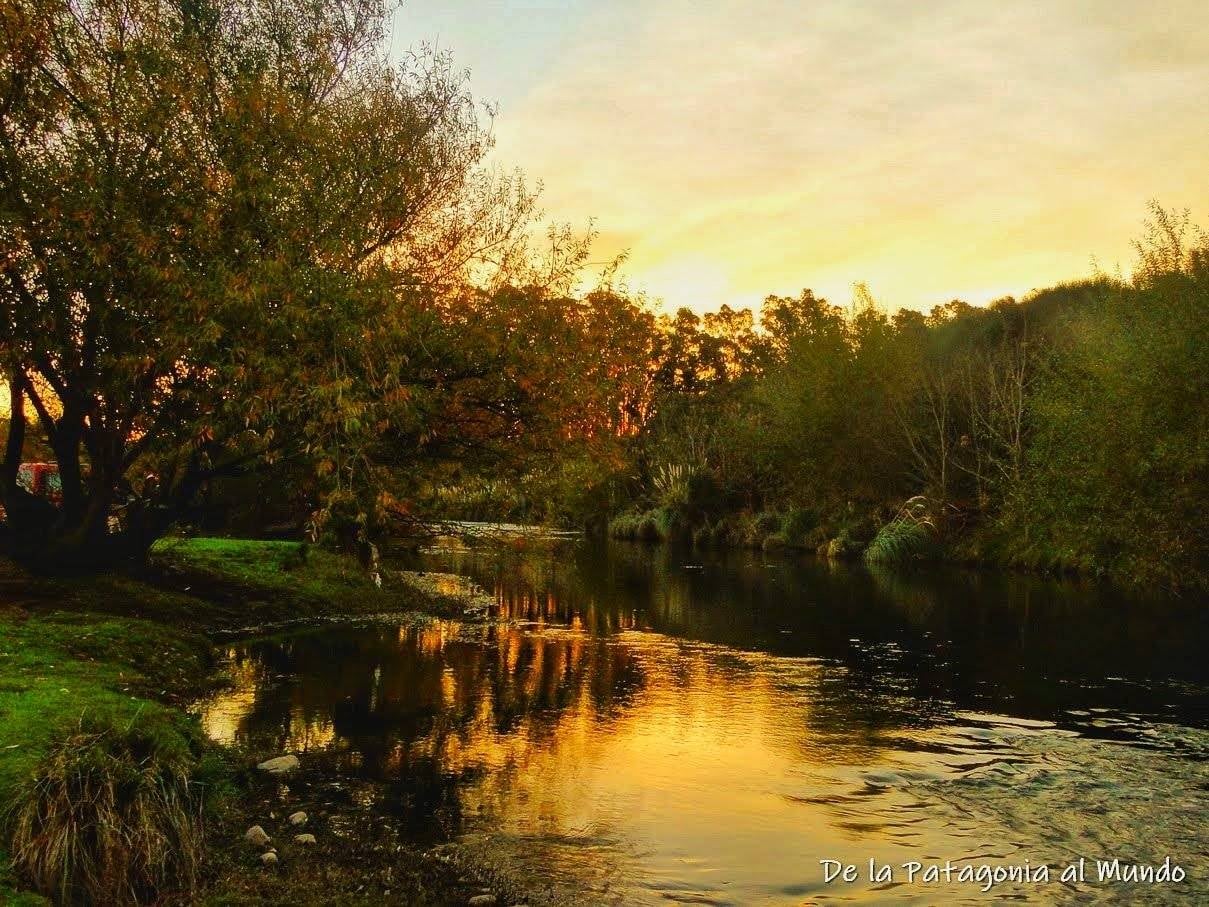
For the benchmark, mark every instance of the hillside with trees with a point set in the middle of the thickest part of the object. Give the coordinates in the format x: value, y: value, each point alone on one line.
x: 1063, y: 431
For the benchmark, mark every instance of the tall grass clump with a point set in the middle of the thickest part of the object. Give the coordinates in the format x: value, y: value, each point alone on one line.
x: 624, y: 526
x: 900, y: 543
x: 109, y: 818
x: 672, y: 525
x: 842, y: 547
x: 673, y: 484
x: 95, y: 802
x: 648, y: 528
x: 799, y: 527
x: 910, y: 536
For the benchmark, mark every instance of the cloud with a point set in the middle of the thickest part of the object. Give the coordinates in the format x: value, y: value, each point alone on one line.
x: 930, y: 149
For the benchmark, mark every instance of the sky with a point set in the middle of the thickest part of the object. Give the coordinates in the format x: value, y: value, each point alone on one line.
x: 932, y: 150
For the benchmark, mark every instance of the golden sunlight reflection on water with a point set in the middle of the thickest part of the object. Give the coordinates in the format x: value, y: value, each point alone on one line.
x: 631, y: 766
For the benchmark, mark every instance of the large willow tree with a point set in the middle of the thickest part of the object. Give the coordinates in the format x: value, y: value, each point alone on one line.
x: 226, y: 229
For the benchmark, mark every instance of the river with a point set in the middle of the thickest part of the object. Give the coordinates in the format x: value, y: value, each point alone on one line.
x: 643, y: 725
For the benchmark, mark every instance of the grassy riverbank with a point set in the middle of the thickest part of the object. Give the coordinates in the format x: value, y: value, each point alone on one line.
x: 113, y: 793
x: 912, y: 533
x: 906, y: 536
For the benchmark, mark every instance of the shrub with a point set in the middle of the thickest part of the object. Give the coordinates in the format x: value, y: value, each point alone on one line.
x: 672, y: 525
x: 775, y: 541
x: 910, y: 536
x: 648, y: 529
x: 109, y: 818
x: 672, y: 484
x: 843, y: 546
x: 624, y: 526
x: 798, y: 525
x: 766, y: 523
x: 900, y: 542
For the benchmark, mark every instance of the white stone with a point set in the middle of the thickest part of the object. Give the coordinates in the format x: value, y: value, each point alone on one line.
x: 279, y: 766
x: 269, y: 859
x: 481, y: 900
x: 298, y: 818
x: 304, y: 839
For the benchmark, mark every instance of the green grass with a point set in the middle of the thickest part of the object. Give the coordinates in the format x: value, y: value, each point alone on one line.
x: 267, y: 581
x: 11, y: 894
x: 290, y: 569
x: 77, y: 716
x: 902, y: 542
x: 63, y: 669
x: 99, y: 768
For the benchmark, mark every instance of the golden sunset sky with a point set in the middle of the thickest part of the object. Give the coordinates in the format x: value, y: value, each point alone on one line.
x: 934, y: 150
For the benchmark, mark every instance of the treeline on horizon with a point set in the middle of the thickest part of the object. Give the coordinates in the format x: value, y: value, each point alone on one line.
x: 1064, y: 431
x: 257, y: 277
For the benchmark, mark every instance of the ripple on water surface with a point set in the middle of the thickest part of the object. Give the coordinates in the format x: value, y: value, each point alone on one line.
x: 605, y: 758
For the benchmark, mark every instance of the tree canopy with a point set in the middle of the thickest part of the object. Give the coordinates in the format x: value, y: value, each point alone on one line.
x: 232, y: 233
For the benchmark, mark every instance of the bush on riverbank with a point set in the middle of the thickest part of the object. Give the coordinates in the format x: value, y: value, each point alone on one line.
x: 94, y: 771
x: 1062, y: 431
x: 901, y: 542
x: 110, y: 816
x: 100, y: 772
x: 797, y: 529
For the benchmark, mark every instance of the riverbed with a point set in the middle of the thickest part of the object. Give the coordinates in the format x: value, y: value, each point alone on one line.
x: 645, y: 724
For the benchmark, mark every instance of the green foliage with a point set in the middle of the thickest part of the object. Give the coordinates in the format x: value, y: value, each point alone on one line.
x: 775, y: 541
x: 901, y: 542
x: 798, y: 527
x: 82, y: 749
x: 671, y: 525
x: 843, y: 547
x: 1066, y: 430
x: 202, y: 282
x: 1114, y: 480
x: 624, y: 526
x: 746, y: 530
x: 648, y: 528
x: 663, y: 524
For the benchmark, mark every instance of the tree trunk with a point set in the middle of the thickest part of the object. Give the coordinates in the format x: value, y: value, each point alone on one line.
x: 16, y: 440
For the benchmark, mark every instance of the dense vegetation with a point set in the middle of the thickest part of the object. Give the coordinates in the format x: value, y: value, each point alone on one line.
x: 111, y: 793
x: 236, y: 238
x: 256, y: 276
x: 1066, y: 430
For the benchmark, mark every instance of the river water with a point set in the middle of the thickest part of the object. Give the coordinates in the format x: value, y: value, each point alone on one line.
x: 645, y: 725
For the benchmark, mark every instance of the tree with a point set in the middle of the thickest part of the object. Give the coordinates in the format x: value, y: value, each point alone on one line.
x: 224, y: 226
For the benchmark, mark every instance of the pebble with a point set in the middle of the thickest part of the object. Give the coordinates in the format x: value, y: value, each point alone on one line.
x: 298, y: 818
x: 280, y: 765
x: 269, y: 858
x: 256, y: 836
x: 481, y: 900
x: 304, y: 839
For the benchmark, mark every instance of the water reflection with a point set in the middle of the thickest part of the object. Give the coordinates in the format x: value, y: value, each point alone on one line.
x: 640, y: 728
